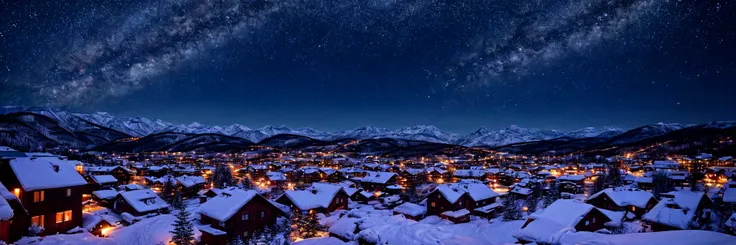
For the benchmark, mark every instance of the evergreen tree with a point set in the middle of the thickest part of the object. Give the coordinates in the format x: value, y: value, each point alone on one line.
x: 177, y: 202
x: 696, y: 174
x: 532, y: 204
x: 236, y: 241
x: 511, y: 209
x: 410, y: 194
x: 183, y: 229
x: 552, y: 195
x: 598, y: 185
x: 614, y: 175
x: 662, y: 184
x: 306, y: 225
x: 247, y: 184
x: 222, y: 177
x: 169, y: 188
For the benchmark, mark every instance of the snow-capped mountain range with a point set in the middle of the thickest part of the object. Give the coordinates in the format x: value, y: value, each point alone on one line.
x: 139, y: 127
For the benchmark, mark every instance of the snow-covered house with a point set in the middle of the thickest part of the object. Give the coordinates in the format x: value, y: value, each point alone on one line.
x: 98, y: 182
x: 377, y: 181
x: 276, y: 178
x: 140, y: 202
x: 6, y: 213
x: 665, y: 165
x: 463, y: 195
x: 470, y: 174
x: 563, y: 214
x: 320, y: 197
x: 49, y: 190
x: 237, y: 213
x: 635, y: 202
x: 122, y: 174
x: 411, y: 211
x: 190, y: 185
x: 105, y: 198
x: 679, y: 210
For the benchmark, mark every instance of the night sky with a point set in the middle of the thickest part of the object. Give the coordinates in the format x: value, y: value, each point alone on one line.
x: 336, y: 65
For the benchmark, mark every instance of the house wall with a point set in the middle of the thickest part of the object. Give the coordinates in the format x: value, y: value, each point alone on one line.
x: 595, y: 219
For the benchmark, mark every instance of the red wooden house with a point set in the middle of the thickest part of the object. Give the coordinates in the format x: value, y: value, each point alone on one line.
x: 635, y: 202
x: 49, y: 191
x: 237, y: 213
x: 563, y: 213
x: 140, y: 202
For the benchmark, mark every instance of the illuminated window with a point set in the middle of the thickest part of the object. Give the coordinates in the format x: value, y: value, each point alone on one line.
x: 68, y: 192
x: 67, y: 215
x: 63, y: 216
x: 38, y: 196
x: 37, y: 220
x: 59, y: 217
x: 433, y: 204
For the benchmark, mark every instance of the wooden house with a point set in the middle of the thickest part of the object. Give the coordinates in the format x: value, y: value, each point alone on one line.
x: 140, y: 202
x: 563, y: 213
x: 635, y: 202
x: 679, y: 210
x: 320, y: 197
x: 49, y: 193
x: 234, y: 214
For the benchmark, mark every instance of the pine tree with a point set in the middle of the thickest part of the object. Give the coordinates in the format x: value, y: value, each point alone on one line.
x: 696, y: 174
x: 306, y: 225
x: 532, y: 204
x: 511, y: 209
x: 552, y: 195
x: 177, y: 202
x: 247, y: 183
x: 169, y: 188
x: 183, y: 229
x: 236, y: 241
x: 614, y: 175
x: 662, y: 184
x: 222, y: 177
x: 598, y: 185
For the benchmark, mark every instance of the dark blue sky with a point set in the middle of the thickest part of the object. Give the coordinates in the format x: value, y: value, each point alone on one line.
x: 338, y: 65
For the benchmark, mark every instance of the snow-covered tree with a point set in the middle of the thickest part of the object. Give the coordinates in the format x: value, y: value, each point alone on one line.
x: 177, y: 202
x: 236, y: 241
x: 35, y: 229
x: 552, y: 195
x: 183, y: 229
x: 247, y: 184
x: 598, y: 185
x: 222, y: 177
x: 168, y: 189
x: 614, y: 175
x: 305, y: 225
x: 696, y: 174
x: 662, y: 184
x: 511, y: 209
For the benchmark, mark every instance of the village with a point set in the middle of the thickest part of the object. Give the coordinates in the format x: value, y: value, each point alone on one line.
x: 264, y: 197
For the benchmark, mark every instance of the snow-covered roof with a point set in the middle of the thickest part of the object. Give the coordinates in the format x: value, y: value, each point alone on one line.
x: 40, y: 173
x: 566, y: 212
x: 377, y: 177
x: 469, y: 173
x: 223, y: 207
x: 319, y: 195
x: 488, y: 208
x: 144, y: 200
x: 726, y: 158
x: 729, y: 195
x: 676, y: 209
x: 104, y: 179
x: 105, y: 194
x: 731, y: 221
x: 190, y: 181
x: 411, y: 209
x: 345, y: 227
x: 451, y: 194
x: 542, y: 230
x: 616, y: 217
x: 414, y: 171
x: 6, y: 148
x: 209, y: 229
x: 276, y: 176
x: 626, y: 197
x: 456, y: 213
x: 665, y: 164
x: 6, y: 212
x: 521, y: 190
x: 476, y: 191
x: 573, y: 178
